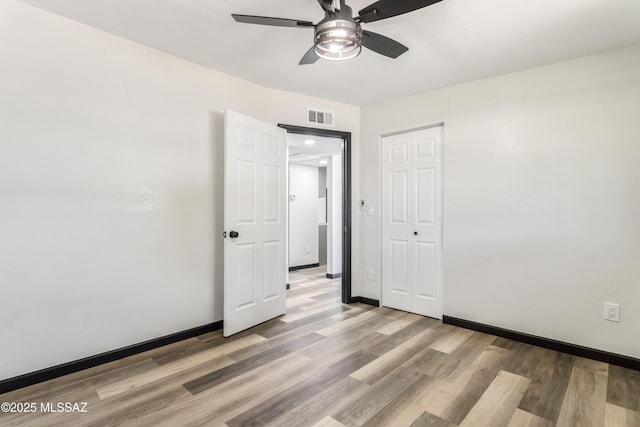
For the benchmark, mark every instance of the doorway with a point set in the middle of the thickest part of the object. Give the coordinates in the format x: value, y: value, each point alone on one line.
x: 315, y: 204
x: 343, y: 161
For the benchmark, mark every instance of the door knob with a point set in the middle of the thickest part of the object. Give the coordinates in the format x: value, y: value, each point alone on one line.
x: 233, y: 234
x: 415, y: 233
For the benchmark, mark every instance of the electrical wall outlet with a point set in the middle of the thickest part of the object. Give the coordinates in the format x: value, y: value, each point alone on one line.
x: 611, y: 311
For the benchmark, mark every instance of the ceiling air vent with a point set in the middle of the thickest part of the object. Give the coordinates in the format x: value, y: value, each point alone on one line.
x: 318, y: 117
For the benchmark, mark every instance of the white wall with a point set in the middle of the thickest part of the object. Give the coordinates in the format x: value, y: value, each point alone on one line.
x: 334, y: 220
x: 303, y: 215
x: 541, y: 189
x: 110, y: 187
x: 322, y: 215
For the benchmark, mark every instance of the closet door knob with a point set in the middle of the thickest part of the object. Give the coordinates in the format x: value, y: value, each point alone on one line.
x: 415, y: 233
x: 233, y: 234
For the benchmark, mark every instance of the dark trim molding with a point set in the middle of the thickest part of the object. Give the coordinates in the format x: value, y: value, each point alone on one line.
x: 346, y: 198
x: 576, y: 350
x: 334, y: 276
x: 365, y: 300
x: 302, y: 267
x: 46, y: 374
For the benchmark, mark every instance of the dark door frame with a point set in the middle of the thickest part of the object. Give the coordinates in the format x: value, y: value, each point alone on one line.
x: 346, y: 199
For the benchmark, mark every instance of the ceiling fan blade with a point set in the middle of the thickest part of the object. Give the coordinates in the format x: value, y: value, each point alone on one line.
x: 310, y: 57
x: 383, y: 9
x: 382, y: 44
x: 276, y: 22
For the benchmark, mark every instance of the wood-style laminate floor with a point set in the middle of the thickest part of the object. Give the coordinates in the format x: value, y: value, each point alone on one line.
x: 329, y: 364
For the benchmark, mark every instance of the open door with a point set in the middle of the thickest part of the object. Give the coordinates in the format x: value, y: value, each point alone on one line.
x: 254, y: 222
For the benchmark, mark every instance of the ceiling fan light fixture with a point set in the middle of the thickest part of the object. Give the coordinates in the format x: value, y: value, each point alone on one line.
x: 338, y: 39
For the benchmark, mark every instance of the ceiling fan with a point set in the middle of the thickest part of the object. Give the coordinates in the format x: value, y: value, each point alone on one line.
x: 339, y: 36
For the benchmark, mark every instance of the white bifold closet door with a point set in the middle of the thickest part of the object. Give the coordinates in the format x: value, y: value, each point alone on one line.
x: 411, y: 215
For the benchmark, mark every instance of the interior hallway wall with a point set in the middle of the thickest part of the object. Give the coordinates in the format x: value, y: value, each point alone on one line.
x: 303, y: 215
x: 322, y: 227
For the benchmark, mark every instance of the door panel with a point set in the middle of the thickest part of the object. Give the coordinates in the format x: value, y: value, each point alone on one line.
x: 425, y: 195
x: 245, y: 264
x: 272, y: 195
x: 254, y: 208
x: 425, y: 261
x: 399, y: 203
x: 398, y: 152
x: 425, y: 147
x: 399, y: 267
x: 412, y: 214
x: 271, y: 266
x: 246, y: 185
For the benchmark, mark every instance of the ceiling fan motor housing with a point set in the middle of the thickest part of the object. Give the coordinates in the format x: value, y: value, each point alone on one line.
x: 338, y: 39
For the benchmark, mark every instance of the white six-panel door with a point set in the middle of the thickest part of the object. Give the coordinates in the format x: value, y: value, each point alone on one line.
x: 411, y: 214
x: 254, y: 208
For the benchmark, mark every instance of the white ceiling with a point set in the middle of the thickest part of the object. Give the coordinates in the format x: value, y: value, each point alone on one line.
x: 450, y: 42
x: 312, y: 154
